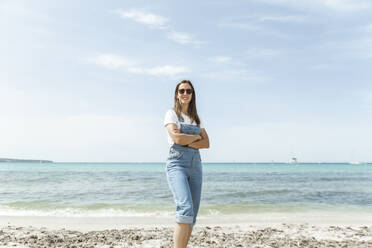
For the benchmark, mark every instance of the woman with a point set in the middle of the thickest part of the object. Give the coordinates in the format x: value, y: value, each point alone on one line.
x: 186, y: 135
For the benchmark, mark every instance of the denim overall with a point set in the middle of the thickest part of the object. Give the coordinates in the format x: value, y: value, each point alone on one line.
x: 184, y: 176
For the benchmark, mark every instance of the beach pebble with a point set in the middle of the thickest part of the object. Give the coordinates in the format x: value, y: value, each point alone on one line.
x: 287, y: 235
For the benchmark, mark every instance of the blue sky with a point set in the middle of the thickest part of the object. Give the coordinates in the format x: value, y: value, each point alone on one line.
x: 275, y: 79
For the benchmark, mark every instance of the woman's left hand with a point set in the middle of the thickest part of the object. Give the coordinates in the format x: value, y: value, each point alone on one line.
x: 194, y: 145
x: 191, y: 145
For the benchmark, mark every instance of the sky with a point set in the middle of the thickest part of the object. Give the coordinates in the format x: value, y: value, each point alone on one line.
x: 91, y: 81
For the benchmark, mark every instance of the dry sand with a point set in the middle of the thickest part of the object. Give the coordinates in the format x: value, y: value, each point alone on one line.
x: 256, y: 230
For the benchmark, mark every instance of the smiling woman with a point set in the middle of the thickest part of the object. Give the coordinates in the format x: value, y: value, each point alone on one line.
x: 186, y: 135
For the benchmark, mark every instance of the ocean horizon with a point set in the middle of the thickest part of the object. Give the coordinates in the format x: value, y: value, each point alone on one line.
x: 87, y: 189
x: 32, y: 161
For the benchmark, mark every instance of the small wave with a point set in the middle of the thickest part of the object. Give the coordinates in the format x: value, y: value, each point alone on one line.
x: 154, y: 210
x: 106, y: 212
x: 213, y: 212
x: 62, y: 209
x: 71, y: 212
x: 247, y: 194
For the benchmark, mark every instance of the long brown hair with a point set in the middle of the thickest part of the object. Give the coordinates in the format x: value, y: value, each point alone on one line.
x: 191, y: 111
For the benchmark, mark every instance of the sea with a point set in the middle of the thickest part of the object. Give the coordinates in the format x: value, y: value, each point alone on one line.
x: 141, y: 189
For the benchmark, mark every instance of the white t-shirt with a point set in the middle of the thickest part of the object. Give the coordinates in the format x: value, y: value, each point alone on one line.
x: 171, y: 117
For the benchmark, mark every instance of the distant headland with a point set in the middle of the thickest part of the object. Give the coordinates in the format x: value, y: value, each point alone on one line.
x: 24, y: 160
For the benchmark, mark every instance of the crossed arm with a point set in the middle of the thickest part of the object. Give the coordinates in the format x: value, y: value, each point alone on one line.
x: 194, y: 141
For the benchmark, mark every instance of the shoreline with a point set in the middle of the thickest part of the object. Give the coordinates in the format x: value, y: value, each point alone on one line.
x: 242, y: 220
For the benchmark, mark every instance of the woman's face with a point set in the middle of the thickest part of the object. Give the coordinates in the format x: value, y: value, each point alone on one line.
x: 183, y: 93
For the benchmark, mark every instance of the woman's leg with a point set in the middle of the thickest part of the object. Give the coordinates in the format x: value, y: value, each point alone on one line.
x: 195, y: 182
x: 182, y: 232
x: 189, y: 234
x: 179, y: 185
x: 181, y: 235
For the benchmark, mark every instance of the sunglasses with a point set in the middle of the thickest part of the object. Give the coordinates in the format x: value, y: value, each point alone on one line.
x: 188, y: 91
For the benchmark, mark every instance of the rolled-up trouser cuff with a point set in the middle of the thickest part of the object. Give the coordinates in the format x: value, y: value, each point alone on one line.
x: 184, y: 219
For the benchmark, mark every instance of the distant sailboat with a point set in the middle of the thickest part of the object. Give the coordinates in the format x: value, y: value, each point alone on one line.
x: 293, y: 161
x: 293, y: 154
x: 352, y: 155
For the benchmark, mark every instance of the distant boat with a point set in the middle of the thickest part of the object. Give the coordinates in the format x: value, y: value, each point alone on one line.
x: 356, y: 162
x: 293, y: 161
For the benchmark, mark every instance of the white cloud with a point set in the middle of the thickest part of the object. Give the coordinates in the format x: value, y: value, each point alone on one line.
x: 221, y: 59
x: 288, y: 18
x: 149, y: 19
x: 159, y: 22
x: 112, y: 61
x: 183, y: 38
x: 237, y: 75
x: 167, y: 70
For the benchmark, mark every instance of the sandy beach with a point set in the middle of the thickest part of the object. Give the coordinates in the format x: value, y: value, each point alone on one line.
x: 256, y: 230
